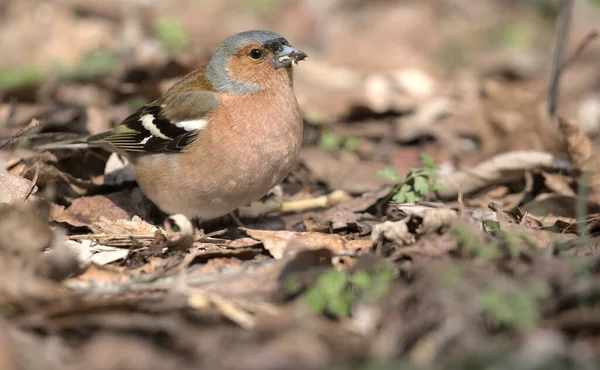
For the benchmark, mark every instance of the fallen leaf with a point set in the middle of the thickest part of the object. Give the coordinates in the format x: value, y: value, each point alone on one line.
x: 279, y: 243
x: 555, y: 205
x: 351, y: 211
x: 429, y: 219
x: 122, y: 226
x: 396, y: 232
x: 579, y: 146
x: 14, y: 188
x: 558, y: 183
x: 96, y: 273
x: 86, y: 211
x: 90, y: 252
x: 66, y: 184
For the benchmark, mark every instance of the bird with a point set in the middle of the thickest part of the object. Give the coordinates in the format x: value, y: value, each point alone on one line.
x: 221, y: 137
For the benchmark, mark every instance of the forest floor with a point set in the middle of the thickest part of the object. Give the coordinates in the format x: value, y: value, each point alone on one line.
x: 438, y: 217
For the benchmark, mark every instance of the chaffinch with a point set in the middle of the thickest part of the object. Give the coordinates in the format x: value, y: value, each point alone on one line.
x: 219, y: 138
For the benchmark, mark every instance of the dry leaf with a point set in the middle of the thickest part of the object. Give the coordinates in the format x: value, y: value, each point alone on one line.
x: 135, y: 226
x: 89, y: 251
x: 558, y: 183
x: 430, y: 219
x: 279, y: 243
x: 579, y: 146
x: 396, y: 232
x: 86, y: 211
x: 14, y: 188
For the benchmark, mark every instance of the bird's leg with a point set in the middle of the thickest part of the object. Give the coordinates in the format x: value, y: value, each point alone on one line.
x: 271, y: 202
x: 275, y: 195
x: 234, y: 218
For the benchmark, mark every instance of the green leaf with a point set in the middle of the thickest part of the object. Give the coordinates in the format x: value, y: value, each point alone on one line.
x: 361, y: 279
x: 171, y: 33
x: 515, y: 309
x: 20, y: 76
x: 412, y: 197
x: 437, y: 186
x: 292, y: 285
x: 380, y: 285
x: 399, y: 198
x: 315, y: 300
x: 330, y: 141
x: 352, y: 144
x: 403, y: 194
x: 428, y: 162
x: 421, y: 185
x: 340, y: 307
x: 333, y: 283
x: 389, y: 173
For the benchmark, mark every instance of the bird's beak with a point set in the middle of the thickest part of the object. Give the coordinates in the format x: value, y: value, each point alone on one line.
x: 287, y: 56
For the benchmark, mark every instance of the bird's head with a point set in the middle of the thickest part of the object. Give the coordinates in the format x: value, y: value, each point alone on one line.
x: 251, y: 61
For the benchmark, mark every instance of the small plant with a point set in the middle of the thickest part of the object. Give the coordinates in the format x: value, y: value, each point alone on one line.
x: 418, y: 184
x: 90, y: 66
x: 513, y: 240
x: 171, y: 34
x: 330, y: 142
x: 518, y: 309
x: 20, y: 76
x: 337, y: 291
x: 333, y: 143
x: 473, y: 245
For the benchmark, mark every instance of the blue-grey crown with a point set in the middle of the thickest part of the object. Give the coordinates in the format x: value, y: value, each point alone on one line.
x: 217, y: 67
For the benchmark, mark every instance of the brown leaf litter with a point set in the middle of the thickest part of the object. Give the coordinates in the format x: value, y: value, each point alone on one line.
x: 499, y: 269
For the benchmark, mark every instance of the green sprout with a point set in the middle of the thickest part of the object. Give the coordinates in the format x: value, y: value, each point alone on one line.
x: 90, y: 66
x: 517, y: 309
x: 336, y: 292
x: 418, y: 184
x: 21, y: 76
x: 333, y: 143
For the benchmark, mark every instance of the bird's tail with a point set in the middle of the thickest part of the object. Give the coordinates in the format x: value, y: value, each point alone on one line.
x: 93, y: 141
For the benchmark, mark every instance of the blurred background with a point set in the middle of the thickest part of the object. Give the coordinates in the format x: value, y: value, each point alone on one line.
x: 385, y: 80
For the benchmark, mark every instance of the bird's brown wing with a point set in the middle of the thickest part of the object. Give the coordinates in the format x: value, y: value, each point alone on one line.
x: 168, y: 124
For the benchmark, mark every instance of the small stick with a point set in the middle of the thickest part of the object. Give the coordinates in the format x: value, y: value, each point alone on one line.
x: 33, y: 124
x: 563, y: 24
x: 334, y: 198
x: 32, y: 186
x: 591, y: 36
x: 126, y: 238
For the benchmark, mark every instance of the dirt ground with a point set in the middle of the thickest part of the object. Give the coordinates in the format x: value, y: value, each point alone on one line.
x: 439, y: 216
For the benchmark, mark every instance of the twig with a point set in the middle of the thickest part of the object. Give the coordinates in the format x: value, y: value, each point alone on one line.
x: 125, y: 239
x: 324, y: 201
x: 32, y: 186
x: 562, y: 33
x: 199, y: 299
x: 144, y: 283
x: 113, y: 236
x: 589, y: 37
x: 33, y: 124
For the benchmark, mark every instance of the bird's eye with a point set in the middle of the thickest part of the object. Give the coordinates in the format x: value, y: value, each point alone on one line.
x: 255, y: 54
